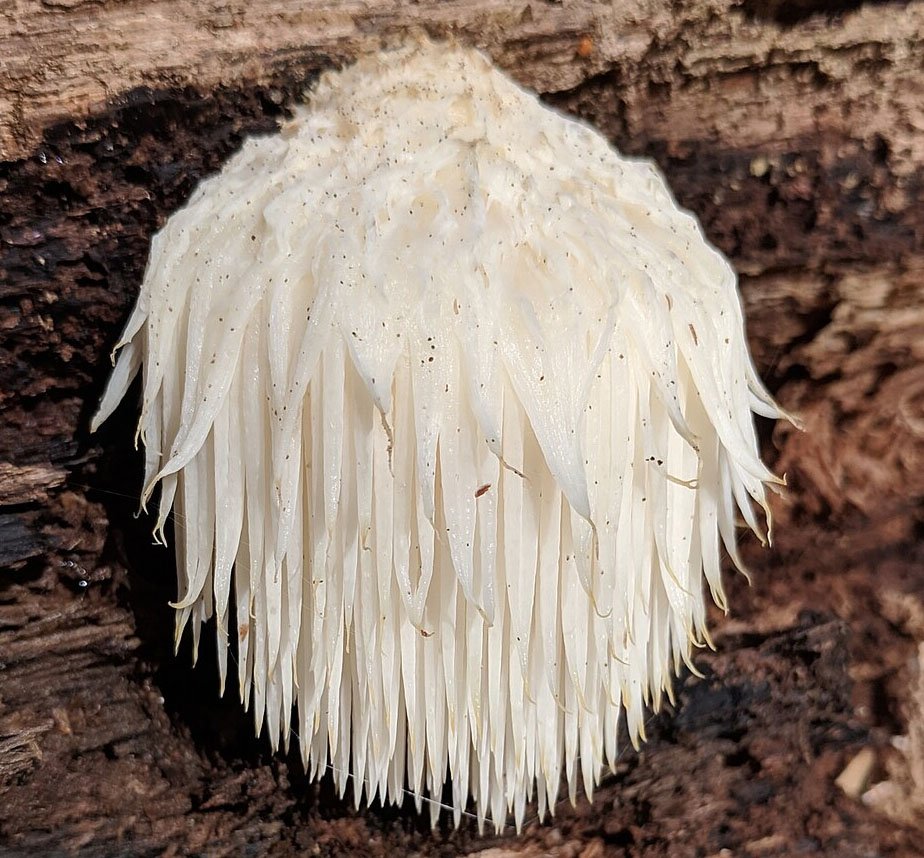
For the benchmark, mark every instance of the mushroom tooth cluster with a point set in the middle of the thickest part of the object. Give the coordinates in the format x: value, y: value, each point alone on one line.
x: 453, y: 406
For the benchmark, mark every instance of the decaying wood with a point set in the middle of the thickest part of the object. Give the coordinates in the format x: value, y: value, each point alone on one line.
x: 64, y: 58
x: 794, y: 130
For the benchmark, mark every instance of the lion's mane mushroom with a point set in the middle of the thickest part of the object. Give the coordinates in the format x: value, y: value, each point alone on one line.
x: 455, y: 406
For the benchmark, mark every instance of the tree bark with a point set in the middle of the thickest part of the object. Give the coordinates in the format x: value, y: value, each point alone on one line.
x: 794, y: 130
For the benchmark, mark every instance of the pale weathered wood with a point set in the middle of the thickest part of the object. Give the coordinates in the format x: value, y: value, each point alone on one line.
x: 64, y: 58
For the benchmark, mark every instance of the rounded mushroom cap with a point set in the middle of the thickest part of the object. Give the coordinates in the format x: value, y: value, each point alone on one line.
x: 454, y: 406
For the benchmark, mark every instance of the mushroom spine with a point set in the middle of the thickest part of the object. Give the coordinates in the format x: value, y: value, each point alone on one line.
x: 455, y: 405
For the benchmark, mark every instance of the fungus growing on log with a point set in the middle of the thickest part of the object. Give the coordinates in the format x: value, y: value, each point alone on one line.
x: 455, y: 406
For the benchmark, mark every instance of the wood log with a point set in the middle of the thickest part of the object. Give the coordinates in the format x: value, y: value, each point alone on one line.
x: 794, y: 130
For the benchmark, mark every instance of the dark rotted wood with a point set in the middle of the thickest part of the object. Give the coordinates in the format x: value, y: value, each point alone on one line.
x: 793, y: 130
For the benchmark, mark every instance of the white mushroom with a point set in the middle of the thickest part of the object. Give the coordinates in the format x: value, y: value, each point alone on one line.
x: 454, y: 405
